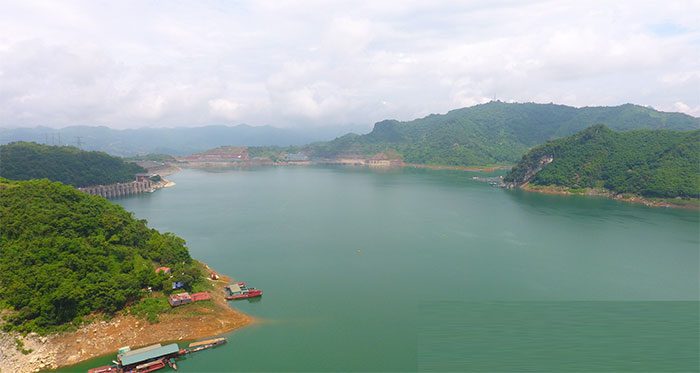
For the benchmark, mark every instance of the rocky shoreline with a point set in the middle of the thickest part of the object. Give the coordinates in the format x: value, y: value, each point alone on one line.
x: 556, y: 190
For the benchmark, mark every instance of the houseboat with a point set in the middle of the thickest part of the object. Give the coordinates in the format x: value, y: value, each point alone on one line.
x: 154, y: 357
x: 240, y: 290
x: 147, y: 359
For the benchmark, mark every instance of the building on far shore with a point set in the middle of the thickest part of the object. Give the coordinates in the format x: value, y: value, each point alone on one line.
x: 384, y: 160
x: 220, y: 154
x: 378, y: 160
x: 296, y: 157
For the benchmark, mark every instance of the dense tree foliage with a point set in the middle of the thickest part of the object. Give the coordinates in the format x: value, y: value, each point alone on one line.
x: 493, y: 133
x: 65, y: 254
x: 67, y: 164
x: 651, y: 163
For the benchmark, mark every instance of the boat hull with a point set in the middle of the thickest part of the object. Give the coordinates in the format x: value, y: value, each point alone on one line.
x: 251, y: 294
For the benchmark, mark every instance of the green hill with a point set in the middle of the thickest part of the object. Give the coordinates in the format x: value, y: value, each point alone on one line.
x: 67, y: 164
x: 493, y: 133
x: 65, y: 254
x: 651, y: 163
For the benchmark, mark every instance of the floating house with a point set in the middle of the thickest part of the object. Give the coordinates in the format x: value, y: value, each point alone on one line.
x: 131, y: 359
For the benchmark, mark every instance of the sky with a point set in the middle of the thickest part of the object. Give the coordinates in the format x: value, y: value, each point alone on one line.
x: 127, y: 64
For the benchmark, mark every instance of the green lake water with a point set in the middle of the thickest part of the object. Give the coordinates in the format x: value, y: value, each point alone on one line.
x: 411, y: 269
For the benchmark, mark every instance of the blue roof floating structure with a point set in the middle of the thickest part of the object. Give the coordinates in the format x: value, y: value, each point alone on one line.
x: 148, y: 353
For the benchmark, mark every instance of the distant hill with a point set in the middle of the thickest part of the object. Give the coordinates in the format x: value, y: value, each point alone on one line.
x: 65, y: 254
x: 493, y: 133
x: 67, y: 164
x: 651, y: 163
x: 172, y: 141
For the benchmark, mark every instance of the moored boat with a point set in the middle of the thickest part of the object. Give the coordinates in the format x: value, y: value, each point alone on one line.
x: 208, y: 343
x: 150, y: 367
x: 104, y: 369
x: 240, y: 290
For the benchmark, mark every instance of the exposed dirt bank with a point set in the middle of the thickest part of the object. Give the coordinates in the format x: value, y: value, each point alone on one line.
x: 458, y: 168
x: 192, y: 321
x: 651, y: 202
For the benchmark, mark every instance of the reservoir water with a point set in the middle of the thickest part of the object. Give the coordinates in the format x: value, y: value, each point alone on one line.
x: 409, y: 269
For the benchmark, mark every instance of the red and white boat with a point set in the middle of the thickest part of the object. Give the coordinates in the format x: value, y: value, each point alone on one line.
x: 240, y: 290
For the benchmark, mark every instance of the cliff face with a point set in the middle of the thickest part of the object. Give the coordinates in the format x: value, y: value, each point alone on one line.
x: 526, y: 172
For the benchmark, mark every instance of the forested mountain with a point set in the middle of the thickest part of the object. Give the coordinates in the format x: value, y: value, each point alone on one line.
x: 65, y: 254
x: 493, y: 133
x: 67, y: 164
x: 173, y: 141
x: 651, y: 163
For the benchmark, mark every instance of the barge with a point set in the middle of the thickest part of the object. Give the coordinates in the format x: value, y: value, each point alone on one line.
x: 240, y: 290
x: 203, y: 345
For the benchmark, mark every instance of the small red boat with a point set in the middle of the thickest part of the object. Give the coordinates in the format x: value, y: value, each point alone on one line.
x: 240, y: 290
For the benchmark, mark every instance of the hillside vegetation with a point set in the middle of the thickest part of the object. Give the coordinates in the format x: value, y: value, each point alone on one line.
x: 67, y: 164
x: 650, y: 163
x: 493, y: 133
x: 65, y: 254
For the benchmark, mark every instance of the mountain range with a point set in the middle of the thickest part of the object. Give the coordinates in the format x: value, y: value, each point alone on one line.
x: 493, y: 133
x: 173, y: 141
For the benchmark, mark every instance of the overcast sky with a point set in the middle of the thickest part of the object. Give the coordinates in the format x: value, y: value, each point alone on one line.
x: 325, y: 63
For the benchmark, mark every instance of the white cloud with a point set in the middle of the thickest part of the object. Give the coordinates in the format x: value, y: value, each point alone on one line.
x: 224, y: 108
x: 294, y: 63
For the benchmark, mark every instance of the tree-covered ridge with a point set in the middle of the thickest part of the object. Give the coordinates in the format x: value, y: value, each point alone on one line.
x: 67, y: 164
x: 650, y: 163
x: 65, y: 254
x: 493, y: 133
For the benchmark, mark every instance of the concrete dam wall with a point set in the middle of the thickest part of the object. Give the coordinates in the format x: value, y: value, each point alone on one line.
x: 120, y: 189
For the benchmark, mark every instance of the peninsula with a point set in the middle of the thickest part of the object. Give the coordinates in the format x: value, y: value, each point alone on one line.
x: 81, y: 277
x: 654, y: 167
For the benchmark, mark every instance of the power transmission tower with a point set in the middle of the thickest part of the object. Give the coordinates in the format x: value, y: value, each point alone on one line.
x: 78, y: 141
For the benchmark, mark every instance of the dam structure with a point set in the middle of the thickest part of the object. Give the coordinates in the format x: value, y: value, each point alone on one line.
x: 144, y: 183
x: 120, y: 189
